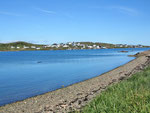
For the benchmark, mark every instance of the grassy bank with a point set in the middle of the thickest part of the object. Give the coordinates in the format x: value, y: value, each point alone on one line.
x: 128, y: 96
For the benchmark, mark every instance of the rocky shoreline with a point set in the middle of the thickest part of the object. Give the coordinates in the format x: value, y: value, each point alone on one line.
x: 76, y: 96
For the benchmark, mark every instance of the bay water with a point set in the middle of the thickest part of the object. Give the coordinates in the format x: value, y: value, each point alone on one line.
x: 24, y: 74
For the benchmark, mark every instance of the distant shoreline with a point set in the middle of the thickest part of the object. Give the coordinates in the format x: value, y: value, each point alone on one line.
x: 69, y: 50
x: 25, y: 46
x: 77, y: 95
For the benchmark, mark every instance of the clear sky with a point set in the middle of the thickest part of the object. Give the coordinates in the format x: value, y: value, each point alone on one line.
x: 49, y: 21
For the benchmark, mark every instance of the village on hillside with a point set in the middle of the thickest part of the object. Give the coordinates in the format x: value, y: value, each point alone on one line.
x: 64, y: 46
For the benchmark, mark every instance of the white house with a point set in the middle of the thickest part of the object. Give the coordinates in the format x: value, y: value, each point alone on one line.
x: 25, y: 47
x: 12, y: 47
x: 90, y: 47
x: 98, y: 47
x: 65, y: 46
x: 38, y: 48
x: 33, y: 47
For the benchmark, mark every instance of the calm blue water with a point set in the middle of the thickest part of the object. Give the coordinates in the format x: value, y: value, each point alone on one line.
x: 28, y: 73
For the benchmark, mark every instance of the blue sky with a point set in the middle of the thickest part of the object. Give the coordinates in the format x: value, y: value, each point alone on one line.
x: 49, y: 21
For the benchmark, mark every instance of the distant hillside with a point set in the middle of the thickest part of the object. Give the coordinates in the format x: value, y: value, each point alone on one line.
x: 22, y: 46
x: 19, y: 43
x: 17, y: 46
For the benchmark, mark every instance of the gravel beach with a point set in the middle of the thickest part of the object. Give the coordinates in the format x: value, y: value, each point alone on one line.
x: 76, y: 96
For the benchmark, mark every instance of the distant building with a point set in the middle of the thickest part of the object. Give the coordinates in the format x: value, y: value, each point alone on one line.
x: 74, y: 44
x: 12, y: 47
x: 25, y: 47
x: 47, y: 46
x: 65, y: 46
x: 98, y: 47
x: 33, y: 47
x: 90, y: 47
x: 140, y: 45
x: 94, y: 45
x: 119, y: 45
x: 69, y: 43
x: 38, y: 48
x: 78, y: 44
x: 83, y: 46
x: 104, y: 47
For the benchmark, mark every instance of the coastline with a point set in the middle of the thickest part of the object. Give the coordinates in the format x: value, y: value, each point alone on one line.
x: 64, y: 49
x: 77, y: 95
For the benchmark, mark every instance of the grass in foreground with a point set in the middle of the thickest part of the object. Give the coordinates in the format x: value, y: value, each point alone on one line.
x: 128, y: 96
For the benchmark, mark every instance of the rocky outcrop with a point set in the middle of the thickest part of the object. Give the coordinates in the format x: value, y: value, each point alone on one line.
x: 141, y: 54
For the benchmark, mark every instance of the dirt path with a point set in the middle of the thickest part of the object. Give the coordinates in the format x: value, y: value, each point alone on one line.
x: 76, y: 96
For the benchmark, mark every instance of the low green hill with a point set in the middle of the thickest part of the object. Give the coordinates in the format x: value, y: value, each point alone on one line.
x: 21, y: 46
x: 17, y: 46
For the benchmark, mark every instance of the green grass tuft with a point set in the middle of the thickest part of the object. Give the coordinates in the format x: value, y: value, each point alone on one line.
x: 128, y: 96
